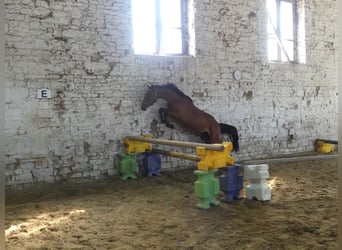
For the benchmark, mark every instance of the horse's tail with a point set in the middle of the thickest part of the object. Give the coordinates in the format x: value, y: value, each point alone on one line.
x: 233, y: 134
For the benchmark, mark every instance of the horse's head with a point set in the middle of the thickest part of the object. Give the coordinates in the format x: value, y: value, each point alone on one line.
x: 149, y: 98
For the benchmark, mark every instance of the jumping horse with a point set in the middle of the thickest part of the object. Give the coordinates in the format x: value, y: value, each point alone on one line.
x: 181, y: 109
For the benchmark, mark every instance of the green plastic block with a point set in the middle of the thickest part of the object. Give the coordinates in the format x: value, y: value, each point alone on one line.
x: 207, y: 188
x: 127, y: 166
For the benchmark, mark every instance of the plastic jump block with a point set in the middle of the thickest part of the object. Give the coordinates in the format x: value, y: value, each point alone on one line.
x: 136, y: 147
x: 324, y: 147
x: 215, y: 159
x: 206, y: 188
x: 257, y: 188
x: 127, y: 166
x: 152, y: 164
x: 231, y: 183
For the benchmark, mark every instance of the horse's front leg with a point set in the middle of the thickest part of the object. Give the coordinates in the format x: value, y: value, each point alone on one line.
x: 163, y: 117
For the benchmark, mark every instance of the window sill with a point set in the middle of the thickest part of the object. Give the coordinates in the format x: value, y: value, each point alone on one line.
x: 164, y: 56
x: 286, y: 63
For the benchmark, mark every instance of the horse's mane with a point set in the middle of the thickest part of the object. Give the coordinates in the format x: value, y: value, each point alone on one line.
x: 174, y: 88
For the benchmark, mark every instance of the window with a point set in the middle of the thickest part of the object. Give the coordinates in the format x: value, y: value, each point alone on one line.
x: 281, y: 30
x: 160, y: 27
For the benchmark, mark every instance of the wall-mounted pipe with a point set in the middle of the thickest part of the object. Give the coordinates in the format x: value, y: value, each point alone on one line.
x: 289, y: 159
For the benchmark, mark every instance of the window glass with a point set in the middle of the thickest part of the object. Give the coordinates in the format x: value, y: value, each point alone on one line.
x: 157, y: 27
x: 143, y: 13
x: 172, y: 41
x: 272, y: 14
x: 144, y: 31
x: 145, y: 40
x: 272, y: 49
x: 286, y: 20
x: 288, y: 45
x: 170, y: 12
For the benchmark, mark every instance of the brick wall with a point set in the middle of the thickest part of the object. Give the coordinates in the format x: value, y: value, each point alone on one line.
x: 81, y: 50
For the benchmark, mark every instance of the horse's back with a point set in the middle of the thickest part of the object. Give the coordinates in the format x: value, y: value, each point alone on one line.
x: 195, y: 119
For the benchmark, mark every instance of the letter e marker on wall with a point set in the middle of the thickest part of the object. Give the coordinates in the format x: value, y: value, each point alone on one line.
x: 44, y: 94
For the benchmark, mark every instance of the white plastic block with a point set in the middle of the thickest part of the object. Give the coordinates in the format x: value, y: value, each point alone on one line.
x: 256, y: 171
x: 257, y: 188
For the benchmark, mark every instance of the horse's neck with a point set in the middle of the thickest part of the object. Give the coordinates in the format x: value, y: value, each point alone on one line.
x: 167, y: 95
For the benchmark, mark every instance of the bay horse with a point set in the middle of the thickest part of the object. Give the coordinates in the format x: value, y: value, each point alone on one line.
x: 181, y: 109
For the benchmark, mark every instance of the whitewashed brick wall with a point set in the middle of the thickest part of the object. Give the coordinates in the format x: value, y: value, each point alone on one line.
x: 82, y: 51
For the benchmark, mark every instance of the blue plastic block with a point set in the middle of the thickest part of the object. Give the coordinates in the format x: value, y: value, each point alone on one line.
x: 152, y: 164
x: 231, y: 182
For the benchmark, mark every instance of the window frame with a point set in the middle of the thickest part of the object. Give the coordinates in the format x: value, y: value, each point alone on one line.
x: 277, y: 33
x: 158, y: 50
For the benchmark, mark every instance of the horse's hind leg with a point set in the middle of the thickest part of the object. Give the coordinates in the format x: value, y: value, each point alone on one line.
x: 205, y: 137
x: 162, y: 114
x: 163, y: 117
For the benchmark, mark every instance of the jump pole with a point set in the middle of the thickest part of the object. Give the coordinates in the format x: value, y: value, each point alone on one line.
x: 175, y: 154
x: 214, y: 147
x: 326, y: 141
x: 209, y: 156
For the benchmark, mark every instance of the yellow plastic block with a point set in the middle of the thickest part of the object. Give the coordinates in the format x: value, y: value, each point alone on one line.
x: 215, y: 159
x: 136, y: 147
x: 324, y: 147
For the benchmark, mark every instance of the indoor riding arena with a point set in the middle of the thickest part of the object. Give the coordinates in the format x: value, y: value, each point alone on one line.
x: 159, y: 124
